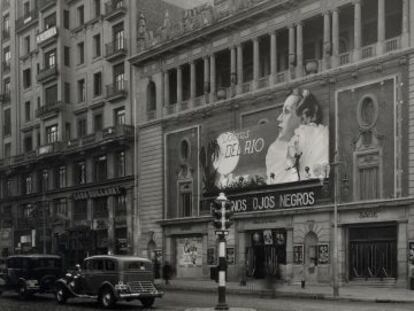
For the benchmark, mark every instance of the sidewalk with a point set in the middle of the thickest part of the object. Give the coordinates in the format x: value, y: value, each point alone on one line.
x: 256, y: 288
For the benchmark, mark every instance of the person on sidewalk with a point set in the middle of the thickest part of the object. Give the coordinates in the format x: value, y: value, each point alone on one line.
x: 166, y: 272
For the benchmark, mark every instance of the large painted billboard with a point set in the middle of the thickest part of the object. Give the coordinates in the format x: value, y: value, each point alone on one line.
x: 296, y: 148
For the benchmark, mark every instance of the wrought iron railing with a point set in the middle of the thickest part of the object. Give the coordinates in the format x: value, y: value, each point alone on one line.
x: 116, y: 47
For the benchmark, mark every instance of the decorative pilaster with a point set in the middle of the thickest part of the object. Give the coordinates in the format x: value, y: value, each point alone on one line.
x: 326, y: 40
x: 357, y: 30
x: 335, y: 37
x: 292, y: 52
x: 239, y: 68
x: 179, y: 84
x: 233, y: 75
x: 381, y: 27
x: 212, y: 78
x: 273, y: 57
x: 166, y: 89
x: 299, y: 50
x: 206, y: 76
x: 192, y: 80
x: 255, y: 62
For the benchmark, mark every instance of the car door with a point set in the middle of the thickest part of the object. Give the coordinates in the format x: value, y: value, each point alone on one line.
x: 94, y: 275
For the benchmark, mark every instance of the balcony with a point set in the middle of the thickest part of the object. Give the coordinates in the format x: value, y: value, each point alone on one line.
x: 116, y: 90
x: 344, y: 58
x: 50, y: 148
x: 6, y: 67
x: 50, y: 109
x: 393, y: 44
x: 116, y: 49
x: 47, y: 74
x: 368, y: 51
x: 27, y: 20
x: 45, y: 4
x: 47, y: 36
x: 115, y: 9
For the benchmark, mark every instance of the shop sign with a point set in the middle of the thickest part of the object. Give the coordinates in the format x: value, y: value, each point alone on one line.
x: 266, y: 201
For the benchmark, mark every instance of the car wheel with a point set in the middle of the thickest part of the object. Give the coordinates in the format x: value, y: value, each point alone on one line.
x: 107, y: 298
x: 147, y: 302
x: 22, y: 291
x: 61, y: 295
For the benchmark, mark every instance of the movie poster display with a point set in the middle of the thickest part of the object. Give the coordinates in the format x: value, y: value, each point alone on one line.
x: 189, y: 252
x: 294, y: 149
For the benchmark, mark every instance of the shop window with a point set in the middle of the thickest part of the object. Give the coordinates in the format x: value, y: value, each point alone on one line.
x: 185, y: 199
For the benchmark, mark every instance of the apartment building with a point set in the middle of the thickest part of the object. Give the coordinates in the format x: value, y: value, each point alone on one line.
x: 214, y: 95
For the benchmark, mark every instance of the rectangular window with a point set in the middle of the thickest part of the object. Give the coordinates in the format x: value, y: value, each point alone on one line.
x: 66, y: 92
x: 7, y: 57
x: 97, y: 4
x: 7, y: 87
x: 81, y: 15
x: 50, y: 21
x: 50, y: 59
x: 119, y: 77
x: 120, y: 164
x: 51, y: 134
x: 26, y: 44
x: 80, y: 173
x: 97, y: 45
x: 81, y: 53
x: 27, y: 184
x: 61, y: 207
x: 185, y: 199
x: 7, y: 150
x: 26, y: 9
x: 100, y: 207
x: 67, y: 131
x: 119, y: 116
x: 80, y: 210
x: 60, y: 178
x: 27, y: 78
x: 28, y: 143
x: 51, y: 95
x: 100, y: 169
x: 66, y: 19
x: 118, y: 36
x: 27, y: 111
x: 82, y: 130
x: 6, y: 25
x: 81, y: 91
x: 120, y: 206
x: 66, y: 56
x: 7, y: 122
x: 45, y: 180
x: 97, y: 84
x: 98, y: 122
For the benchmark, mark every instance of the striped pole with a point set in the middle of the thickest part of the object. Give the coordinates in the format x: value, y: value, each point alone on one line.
x: 222, y: 305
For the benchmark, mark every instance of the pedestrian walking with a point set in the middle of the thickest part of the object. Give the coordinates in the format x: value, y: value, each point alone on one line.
x: 166, y: 272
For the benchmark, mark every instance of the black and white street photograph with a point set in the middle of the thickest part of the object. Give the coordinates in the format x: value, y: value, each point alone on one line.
x: 202, y: 155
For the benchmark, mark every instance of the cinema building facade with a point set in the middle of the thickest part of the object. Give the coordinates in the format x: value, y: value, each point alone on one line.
x: 213, y: 107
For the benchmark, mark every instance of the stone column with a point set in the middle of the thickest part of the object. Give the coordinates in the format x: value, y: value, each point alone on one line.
x: 256, y: 61
x: 179, y: 84
x: 192, y: 80
x: 206, y: 76
x: 326, y: 40
x: 357, y: 30
x: 166, y: 89
x: 405, y: 24
x: 292, y: 52
x: 233, y: 75
x: 273, y: 57
x: 239, y: 68
x: 335, y: 38
x: 299, y: 50
x: 381, y: 27
x: 212, y: 78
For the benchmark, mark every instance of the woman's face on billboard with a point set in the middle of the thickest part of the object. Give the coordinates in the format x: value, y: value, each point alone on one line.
x: 288, y: 120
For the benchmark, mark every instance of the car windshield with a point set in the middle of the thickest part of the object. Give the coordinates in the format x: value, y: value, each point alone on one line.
x: 138, y: 266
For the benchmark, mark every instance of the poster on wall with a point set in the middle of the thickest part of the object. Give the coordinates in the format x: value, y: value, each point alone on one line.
x: 230, y: 256
x: 323, y: 253
x: 211, y: 257
x: 189, y: 252
x: 298, y: 254
x: 294, y: 149
x: 411, y: 252
x: 268, y: 237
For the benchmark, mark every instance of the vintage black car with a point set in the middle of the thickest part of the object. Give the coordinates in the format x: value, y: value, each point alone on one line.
x: 110, y: 278
x: 30, y: 274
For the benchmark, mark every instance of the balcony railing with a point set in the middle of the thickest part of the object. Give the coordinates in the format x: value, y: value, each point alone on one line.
x: 50, y: 148
x: 344, y: 58
x: 281, y: 76
x: 50, y: 108
x: 116, y: 90
x: 5, y: 97
x: 247, y: 87
x: 115, y: 8
x: 43, y: 4
x: 199, y: 101
x: 27, y: 19
x: 47, y: 73
x: 393, y: 44
x: 115, y: 49
x: 368, y: 51
x: 151, y: 115
x: 47, y: 35
x: 263, y: 82
x: 6, y: 67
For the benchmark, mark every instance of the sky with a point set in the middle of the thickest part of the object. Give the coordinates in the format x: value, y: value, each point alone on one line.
x: 188, y: 3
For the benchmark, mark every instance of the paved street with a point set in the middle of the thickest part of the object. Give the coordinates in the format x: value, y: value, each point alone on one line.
x: 180, y: 300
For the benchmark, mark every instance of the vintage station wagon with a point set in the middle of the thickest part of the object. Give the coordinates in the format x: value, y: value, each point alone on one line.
x: 30, y: 274
x: 110, y: 278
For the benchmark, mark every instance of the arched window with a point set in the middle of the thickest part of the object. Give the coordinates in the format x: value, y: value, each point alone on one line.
x: 151, y: 96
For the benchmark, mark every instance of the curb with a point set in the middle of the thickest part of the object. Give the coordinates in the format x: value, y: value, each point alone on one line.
x: 267, y: 293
